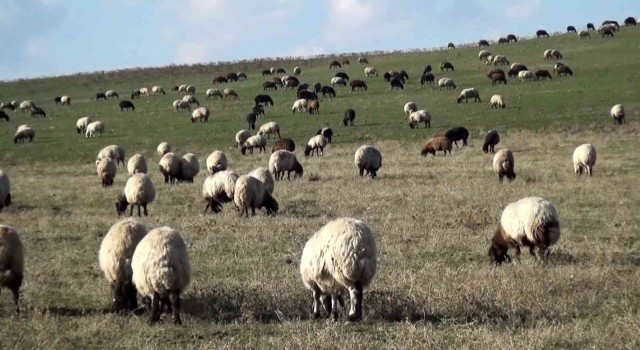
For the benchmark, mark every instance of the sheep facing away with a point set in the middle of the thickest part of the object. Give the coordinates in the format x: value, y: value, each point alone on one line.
x: 113, y: 151
x: 531, y: 222
x: 25, y: 133
x: 161, y: 271
x: 490, y: 141
x: 81, y: 124
x: 436, y: 144
x: 216, y: 161
x: 137, y: 164
x: 584, y: 158
x: 251, y: 193
x: 11, y: 263
x: 284, y: 144
x: 420, y: 116
x: 242, y: 136
x: 189, y: 168
x: 341, y: 256
x: 114, y: 257
x: 497, y: 102
x: 264, y: 175
x: 368, y: 160
x: 5, y: 190
x: 617, y: 113
x: 163, y: 148
x: 409, y: 108
x: 504, y: 164
x: 138, y: 191
x: 169, y: 166
x: 219, y: 188
x: 281, y: 161
x: 106, y: 169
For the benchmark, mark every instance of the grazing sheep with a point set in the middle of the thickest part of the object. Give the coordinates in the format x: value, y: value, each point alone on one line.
x: 270, y: 128
x: 100, y: 96
x: 552, y: 54
x: 512, y: 37
x: 420, y: 116
x: 630, y: 22
x: 299, y: 106
x: 446, y: 83
x: 189, y: 167
x: 281, y: 71
x: 317, y: 144
x: 216, y: 161
x: 584, y: 158
x: 263, y: 100
x: 608, y: 27
x: 396, y: 84
x: 106, y: 169
x: 65, y: 100
x: 169, y: 166
x: 111, y: 94
x: 126, y: 105
x: 255, y: 141
x: 291, y: 83
x: 563, y: 70
x: 341, y: 256
x: 500, y: 60
x: 436, y: 144
x: 258, y: 110
x: 5, y: 190
x: 82, y: 123
x: 497, y: 78
x: 232, y: 77
x: 338, y: 81
x: 217, y: 80
x: 179, y: 105
x: 451, y: 46
x: 584, y: 34
x: 4, y: 116
x: 531, y: 222
x: 503, y: 40
x: 137, y: 165
x: 427, y: 78
x: 7, y: 105
x: 297, y: 70
x: 158, y: 90
x: 607, y: 33
x: 144, y: 92
x: 115, y: 152
x: 349, y: 117
x: 266, y: 72
x: 363, y: 60
x: 335, y: 64
x: 219, y: 188
x: 541, y: 33
x: 161, y: 271
x: 466, y: 94
x: 328, y: 90
x: 490, y: 141
x: 571, y: 29
x: 135, y: 94
x: 409, y: 108
x: 114, y: 257
x: 317, y: 87
x: 307, y: 95
x: 242, y: 136
x: 617, y: 113
x: 590, y: 26
x: 284, y: 144
x: 94, y: 128
x: 139, y: 191
x: 25, y: 133
x: 368, y: 160
x: 326, y: 132
x: 281, y: 161
x: 482, y: 43
x: 269, y: 85
x: 11, y: 263
x: 358, y: 85
x: 446, y: 66
x: 26, y: 106
x: 504, y: 164
x: 370, y: 72
x: 314, y: 107
x: 497, y: 102
x: 200, y: 114
x: 543, y: 74
x: 264, y: 175
x: 213, y: 94
x: 525, y: 75
x: 190, y: 99
x: 163, y: 148
x: 483, y: 54
x: 37, y: 112
x: 456, y: 134
x: 251, y: 119
x: 251, y: 193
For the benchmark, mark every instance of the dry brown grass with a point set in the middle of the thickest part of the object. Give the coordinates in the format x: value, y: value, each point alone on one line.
x: 432, y: 218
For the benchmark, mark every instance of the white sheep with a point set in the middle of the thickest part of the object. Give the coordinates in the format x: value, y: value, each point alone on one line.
x: 504, y: 164
x: 255, y: 141
x: 617, y: 113
x: 212, y: 93
x: 531, y: 222
x: 94, y: 128
x: 525, y: 75
x: 182, y: 89
x: 170, y: 167
x: 189, y: 167
x: 419, y: 116
x: 270, y: 128
x: 297, y: 70
x: 482, y: 55
x: 242, y: 136
x: 409, y: 108
x: 163, y: 148
x: 200, y: 114
x: 179, y: 105
x: 138, y: 191
x: 26, y: 106
x: 137, y: 164
x: 584, y: 34
x: 11, y: 263
x: 584, y: 158
x: 317, y: 144
x: 299, y: 106
x: 216, y: 161
x: 5, y: 190
x: 446, y: 83
x: 251, y: 193
x: 111, y: 94
x: 114, y: 257
x: 338, y: 81
x: 157, y: 90
x: 466, y: 94
x: 228, y: 92
x: 500, y: 59
x: 114, y: 151
x: 341, y: 256
x: 284, y: 79
x: 25, y: 133
x: 264, y: 175
x: 370, y: 72
x: 497, y: 102
x: 161, y: 270
x: 81, y: 124
x: 219, y: 188
x: 552, y: 54
x: 106, y: 169
x: 144, y: 91
x: 368, y: 160
x: 281, y: 161
x: 65, y: 100
x: 190, y: 99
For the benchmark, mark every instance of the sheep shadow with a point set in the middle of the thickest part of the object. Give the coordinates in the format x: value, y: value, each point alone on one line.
x: 304, y: 208
x: 74, y: 312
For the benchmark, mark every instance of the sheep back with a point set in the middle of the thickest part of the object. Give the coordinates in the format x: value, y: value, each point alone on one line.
x: 504, y: 164
x: 216, y: 161
x: 117, y: 247
x: 584, y: 158
x: 137, y: 164
x: 139, y: 189
x: 11, y: 259
x: 106, y: 170
x: 264, y: 175
x: 163, y: 148
x: 368, y: 158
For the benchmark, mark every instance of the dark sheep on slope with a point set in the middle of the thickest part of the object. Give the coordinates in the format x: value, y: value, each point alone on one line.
x: 258, y: 110
x: 494, y: 71
x: 342, y: 75
x: 387, y: 76
x: 571, y: 29
x: 446, y: 66
x: 57, y: 100
x: 37, y: 112
x: 512, y: 38
x: 266, y: 72
x: 326, y: 132
x: 358, y: 85
x: 396, y: 84
x: 242, y: 76
x: 281, y: 71
x: 497, y: 78
x: 490, y: 141
x: 590, y: 26
x: 328, y: 90
x: 541, y: 33
x: 427, y: 79
x: 100, y: 96
x: 314, y: 106
x: 269, y: 85
x: 335, y: 64
x: 451, y: 46
x: 349, y: 117
x: 232, y: 77
x: 263, y: 100
x: 307, y: 95
x: 251, y: 119
x: 483, y: 43
x: 4, y: 116
x: 427, y: 69
x: 345, y: 62
x: 436, y: 144
x: 317, y: 87
x: 564, y: 70
x: 220, y: 80
x: 543, y: 74
x: 607, y: 33
x: 503, y: 40
x: 125, y: 105
x: 135, y: 94
x: 630, y: 22
x: 304, y: 86
x: 456, y: 134
x: 277, y: 81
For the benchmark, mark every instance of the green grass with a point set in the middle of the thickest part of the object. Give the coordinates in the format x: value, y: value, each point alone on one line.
x: 432, y: 217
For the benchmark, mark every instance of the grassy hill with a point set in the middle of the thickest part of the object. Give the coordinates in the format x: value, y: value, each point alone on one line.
x: 432, y: 218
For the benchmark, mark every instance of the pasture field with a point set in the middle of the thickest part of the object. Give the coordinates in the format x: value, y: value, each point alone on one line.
x: 432, y: 217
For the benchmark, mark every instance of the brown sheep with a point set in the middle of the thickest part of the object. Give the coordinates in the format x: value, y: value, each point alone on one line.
x: 436, y: 144
x: 543, y: 74
x: 497, y: 78
x: 284, y: 144
x: 314, y: 107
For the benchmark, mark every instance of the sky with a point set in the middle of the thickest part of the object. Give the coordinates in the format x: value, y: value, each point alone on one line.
x: 58, y: 37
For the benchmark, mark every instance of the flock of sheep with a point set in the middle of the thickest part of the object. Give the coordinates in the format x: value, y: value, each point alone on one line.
x: 341, y: 258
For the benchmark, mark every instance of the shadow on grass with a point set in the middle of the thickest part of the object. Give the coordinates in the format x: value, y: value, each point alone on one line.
x: 72, y: 312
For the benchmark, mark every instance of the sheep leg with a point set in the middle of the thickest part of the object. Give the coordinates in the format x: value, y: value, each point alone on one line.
x: 131, y: 210
x: 335, y: 312
x: 361, y: 171
x: 144, y: 206
x: 355, y: 314
x: 155, y: 309
x: 317, y: 301
x: 131, y: 302
x: 138, y: 205
x: 15, y: 289
x: 175, y: 303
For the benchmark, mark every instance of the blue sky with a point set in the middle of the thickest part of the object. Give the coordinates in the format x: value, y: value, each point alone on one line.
x: 54, y: 37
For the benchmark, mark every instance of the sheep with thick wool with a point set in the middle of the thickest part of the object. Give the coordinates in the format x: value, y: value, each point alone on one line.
x: 500, y: 60
x: 483, y: 55
x: 341, y: 256
x: 255, y: 141
x: 191, y: 100
x: 112, y: 151
x: 216, y: 161
x: 368, y: 160
x: 162, y: 270
x: 525, y: 75
x: 251, y: 193
x: 264, y: 175
x: 25, y: 133
x: 163, y: 148
x: 179, y: 105
x: 137, y: 164
x: 270, y: 129
x: 11, y: 263
x: 81, y: 124
x: 299, y: 106
x: 531, y: 222
x: 189, y: 167
x: 420, y: 116
x: 158, y: 90
x: 447, y: 83
x: 584, y: 158
x: 284, y: 161
x: 114, y: 257
x: 409, y: 108
x: 317, y: 144
x: 466, y: 94
x: 26, y: 106
x: 170, y: 167
x: 490, y: 141
x: 242, y: 136
x: 370, y: 72
x: 285, y: 144
x: 504, y: 164
x: 94, y: 128
x: 200, y: 114
x: 138, y: 191
x: 106, y: 169
x: 617, y: 113
x: 497, y: 102
x: 219, y: 188
x: 436, y: 144
x: 5, y: 190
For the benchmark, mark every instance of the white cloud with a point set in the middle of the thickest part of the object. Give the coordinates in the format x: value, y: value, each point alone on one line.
x: 306, y: 50
x: 523, y: 9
